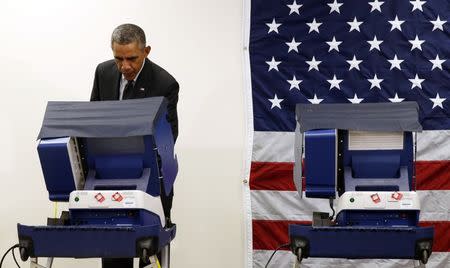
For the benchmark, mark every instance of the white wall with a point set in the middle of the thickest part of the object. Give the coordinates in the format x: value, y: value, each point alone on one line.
x: 49, y: 51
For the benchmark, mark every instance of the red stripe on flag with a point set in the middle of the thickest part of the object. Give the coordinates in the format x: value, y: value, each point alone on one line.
x: 272, y: 176
x: 277, y: 176
x: 269, y: 234
x: 433, y: 175
x: 441, y: 234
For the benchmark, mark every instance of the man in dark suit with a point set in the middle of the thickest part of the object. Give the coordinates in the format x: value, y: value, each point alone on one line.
x: 131, y: 75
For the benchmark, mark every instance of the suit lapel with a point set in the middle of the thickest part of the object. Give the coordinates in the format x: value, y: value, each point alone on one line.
x: 144, y: 80
x: 116, y: 84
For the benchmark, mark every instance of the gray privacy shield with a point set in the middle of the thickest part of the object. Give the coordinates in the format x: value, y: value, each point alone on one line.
x: 402, y: 116
x: 103, y: 119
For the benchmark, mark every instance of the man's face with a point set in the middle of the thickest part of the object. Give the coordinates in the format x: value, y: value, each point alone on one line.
x: 129, y: 58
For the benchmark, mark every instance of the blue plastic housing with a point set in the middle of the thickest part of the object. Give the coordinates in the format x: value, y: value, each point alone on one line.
x: 320, y: 159
x: 387, y: 218
x: 56, y: 167
x: 126, y: 163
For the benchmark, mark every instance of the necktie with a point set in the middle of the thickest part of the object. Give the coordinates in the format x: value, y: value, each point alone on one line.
x: 128, y: 90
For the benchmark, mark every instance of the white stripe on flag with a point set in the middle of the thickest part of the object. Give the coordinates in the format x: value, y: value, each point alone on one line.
x: 433, y: 145
x: 273, y: 146
x: 285, y: 259
x: 278, y: 146
x: 286, y: 205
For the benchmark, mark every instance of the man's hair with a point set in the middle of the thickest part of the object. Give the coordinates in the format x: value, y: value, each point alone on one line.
x: 128, y: 33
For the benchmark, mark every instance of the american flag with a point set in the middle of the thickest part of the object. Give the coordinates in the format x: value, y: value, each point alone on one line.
x: 345, y: 51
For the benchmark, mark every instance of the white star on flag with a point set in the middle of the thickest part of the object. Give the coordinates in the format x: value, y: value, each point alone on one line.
x: 335, y: 6
x: 314, y: 26
x: 355, y: 99
x: 273, y: 64
x: 437, y: 63
x: 294, y: 83
x: 294, y: 7
x: 375, y: 82
x: 416, y: 82
x: 276, y: 102
x: 315, y: 100
x: 375, y: 43
x: 354, y: 63
x: 438, y: 24
x: 396, y: 98
x: 354, y: 25
x: 313, y: 64
x: 293, y: 45
x: 417, y: 4
x: 416, y: 43
x: 334, y: 44
x: 395, y: 63
x: 334, y: 83
x: 273, y: 26
x: 376, y: 5
x: 438, y: 101
x: 396, y: 24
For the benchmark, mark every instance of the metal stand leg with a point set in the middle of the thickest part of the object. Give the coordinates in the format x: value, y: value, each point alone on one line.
x: 34, y: 263
x: 418, y: 264
x: 162, y: 262
x: 165, y: 257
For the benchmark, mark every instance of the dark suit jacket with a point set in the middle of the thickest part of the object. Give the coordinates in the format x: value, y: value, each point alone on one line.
x: 153, y: 79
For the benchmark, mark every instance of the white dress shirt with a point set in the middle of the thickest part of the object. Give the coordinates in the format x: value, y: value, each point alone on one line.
x: 123, y: 82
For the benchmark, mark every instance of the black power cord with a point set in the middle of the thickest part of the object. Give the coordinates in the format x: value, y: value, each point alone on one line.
x: 14, y: 256
x: 275, y: 251
x: 332, y: 209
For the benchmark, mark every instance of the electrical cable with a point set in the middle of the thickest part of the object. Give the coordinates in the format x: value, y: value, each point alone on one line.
x: 6, y: 253
x: 331, y: 206
x: 275, y: 251
x: 14, y: 257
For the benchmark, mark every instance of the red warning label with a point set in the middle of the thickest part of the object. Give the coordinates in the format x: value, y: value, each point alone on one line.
x: 397, y: 196
x: 375, y: 198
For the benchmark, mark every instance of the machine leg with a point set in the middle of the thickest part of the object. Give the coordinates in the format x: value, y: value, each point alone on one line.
x: 418, y: 264
x: 296, y: 263
x: 162, y: 260
x: 165, y: 257
x: 424, y: 257
x: 34, y: 263
x: 299, y: 255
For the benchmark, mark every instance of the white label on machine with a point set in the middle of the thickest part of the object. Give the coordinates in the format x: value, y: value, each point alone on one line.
x: 129, y: 202
x: 371, y: 140
x: 406, y: 203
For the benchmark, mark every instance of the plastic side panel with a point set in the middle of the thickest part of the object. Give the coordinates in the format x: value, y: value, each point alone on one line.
x: 361, y: 243
x: 165, y: 144
x: 320, y: 161
x: 56, y: 167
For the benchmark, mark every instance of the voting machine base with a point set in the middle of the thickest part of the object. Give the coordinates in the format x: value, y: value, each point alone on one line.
x: 361, y: 242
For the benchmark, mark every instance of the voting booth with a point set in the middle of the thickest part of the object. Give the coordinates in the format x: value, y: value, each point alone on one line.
x: 113, y: 162
x: 361, y: 158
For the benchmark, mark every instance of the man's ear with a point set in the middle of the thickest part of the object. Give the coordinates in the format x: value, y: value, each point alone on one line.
x: 147, y: 50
